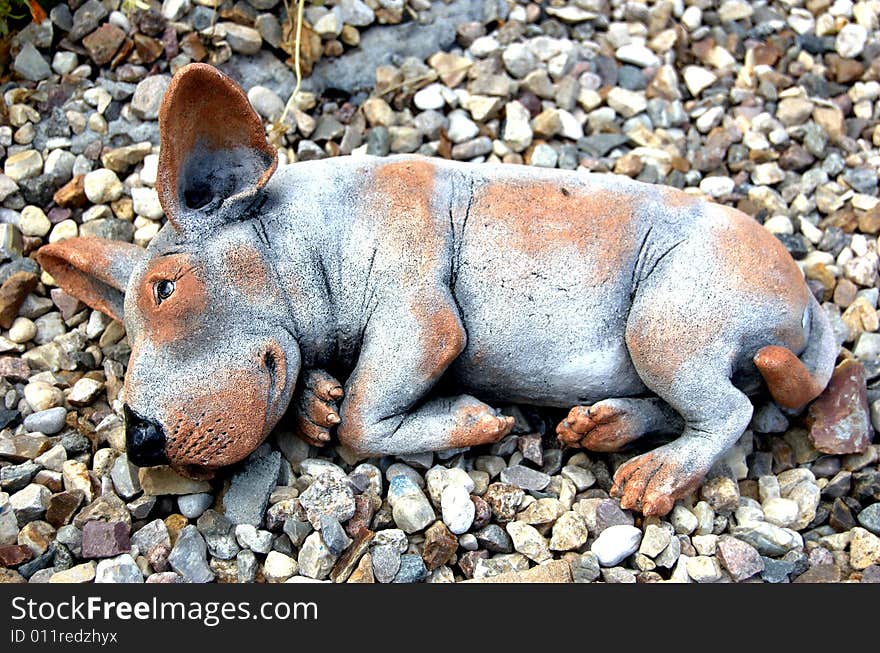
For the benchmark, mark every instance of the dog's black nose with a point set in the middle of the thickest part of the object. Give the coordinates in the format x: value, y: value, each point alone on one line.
x: 144, y: 439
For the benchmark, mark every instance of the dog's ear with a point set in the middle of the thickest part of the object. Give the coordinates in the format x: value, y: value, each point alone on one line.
x: 94, y: 270
x: 214, y: 149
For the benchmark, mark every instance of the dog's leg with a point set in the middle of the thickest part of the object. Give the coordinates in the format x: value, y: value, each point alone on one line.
x: 407, y: 346
x: 611, y: 424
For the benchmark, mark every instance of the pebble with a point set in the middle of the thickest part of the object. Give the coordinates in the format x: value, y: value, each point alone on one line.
x: 102, y: 186
x: 248, y: 495
x: 278, y: 567
x: 457, y: 508
x: 528, y: 541
x: 49, y: 421
x: 192, y: 506
x: 121, y: 569
x: 410, y: 507
x: 616, y: 543
x: 189, y: 556
x: 315, y: 560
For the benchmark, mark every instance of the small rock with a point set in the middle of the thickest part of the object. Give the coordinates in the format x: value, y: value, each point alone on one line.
x: 189, y: 556
x: 840, y: 419
x: 616, y: 543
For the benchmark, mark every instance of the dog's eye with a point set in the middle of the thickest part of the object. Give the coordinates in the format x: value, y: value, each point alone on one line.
x: 164, y: 290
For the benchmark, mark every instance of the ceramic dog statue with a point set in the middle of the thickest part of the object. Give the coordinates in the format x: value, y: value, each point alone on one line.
x: 438, y: 288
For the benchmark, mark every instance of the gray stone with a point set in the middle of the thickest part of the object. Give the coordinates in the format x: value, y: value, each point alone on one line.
x: 870, y: 518
x: 150, y: 536
x: 328, y: 494
x: 49, y: 421
x: 219, y: 534
x: 386, y: 562
x: 30, y: 64
x: 192, y: 506
x: 248, y: 495
x: 410, y: 507
x: 189, y: 556
x: 411, y: 569
x: 315, y: 560
x: 334, y: 536
x: 125, y: 477
x: 121, y: 569
x: 148, y: 96
x: 525, y: 478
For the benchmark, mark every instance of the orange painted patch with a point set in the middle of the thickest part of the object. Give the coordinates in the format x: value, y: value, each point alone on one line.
x: 246, y: 270
x: 540, y: 218
x: 178, y: 316
x: 407, y: 227
x: 755, y: 261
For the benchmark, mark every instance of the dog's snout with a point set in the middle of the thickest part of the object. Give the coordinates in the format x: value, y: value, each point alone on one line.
x: 144, y: 439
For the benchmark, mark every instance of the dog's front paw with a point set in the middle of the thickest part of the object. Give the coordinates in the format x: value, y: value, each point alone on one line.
x: 317, y: 407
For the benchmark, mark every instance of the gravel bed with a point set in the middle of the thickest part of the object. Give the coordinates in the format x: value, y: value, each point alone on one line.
x: 770, y: 107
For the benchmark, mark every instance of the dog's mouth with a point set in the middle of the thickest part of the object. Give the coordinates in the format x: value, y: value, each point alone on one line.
x: 195, y: 472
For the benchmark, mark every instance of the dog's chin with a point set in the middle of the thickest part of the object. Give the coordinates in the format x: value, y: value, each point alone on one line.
x: 195, y: 472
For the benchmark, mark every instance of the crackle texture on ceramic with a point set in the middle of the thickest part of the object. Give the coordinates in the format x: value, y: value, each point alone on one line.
x: 438, y: 288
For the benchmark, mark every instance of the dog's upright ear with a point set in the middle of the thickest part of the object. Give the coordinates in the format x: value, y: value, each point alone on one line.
x: 214, y: 150
x: 94, y: 270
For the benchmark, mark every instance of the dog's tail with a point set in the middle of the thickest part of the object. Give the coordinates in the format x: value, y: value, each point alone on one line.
x: 794, y: 381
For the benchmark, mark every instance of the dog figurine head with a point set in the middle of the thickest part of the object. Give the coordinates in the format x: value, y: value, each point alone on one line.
x: 213, y: 362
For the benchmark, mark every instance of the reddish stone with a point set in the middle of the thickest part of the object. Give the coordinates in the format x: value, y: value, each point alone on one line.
x: 105, y: 539
x: 363, y: 514
x: 482, y: 513
x: 67, y: 304
x: 103, y: 43
x: 14, y: 369
x: 468, y: 562
x: 14, y: 555
x: 839, y: 420
x: 13, y: 292
x: 741, y: 559
x: 440, y: 545
x: 530, y: 447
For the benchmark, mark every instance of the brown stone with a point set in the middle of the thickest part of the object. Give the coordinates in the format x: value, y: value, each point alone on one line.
x: 175, y: 523
x: 148, y: 49
x: 103, y: 43
x: 555, y: 571
x: 831, y: 120
x: 440, y: 545
x: 766, y: 55
x: 62, y: 507
x: 839, y: 419
x: 740, y: 559
x: 364, y: 571
x: 10, y: 576
x: 192, y: 45
x: 72, y: 194
x: 363, y: 514
x: 845, y: 71
x: 13, y: 292
x: 827, y: 573
x: 869, y: 221
x: 14, y: 369
x: 14, y: 555
x: 349, y: 560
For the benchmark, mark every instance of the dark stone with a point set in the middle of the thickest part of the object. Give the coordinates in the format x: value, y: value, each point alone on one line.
x: 494, y: 538
x: 248, y: 495
x: 412, y: 569
x: 468, y: 561
x: 820, y: 574
x: 15, y: 477
x: 796, y: 245
x: 333, y: 535
x: 776, y: 571
x: 482, y: 512
x: 840, y: 517
x: 9, y: 418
